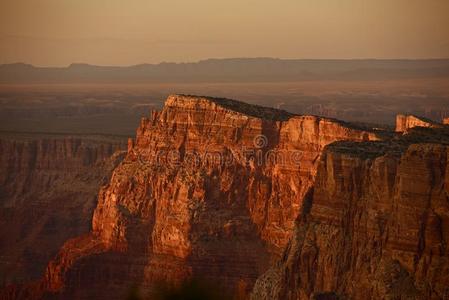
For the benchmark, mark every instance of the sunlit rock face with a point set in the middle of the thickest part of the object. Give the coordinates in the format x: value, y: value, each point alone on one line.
x: 375, y: 226
x: 210, y: 188
x: 222, y: 153
x: 406, y: 122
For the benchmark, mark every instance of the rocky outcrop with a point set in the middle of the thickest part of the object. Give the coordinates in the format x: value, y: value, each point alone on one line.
x: 231, y: 141
x: 406, y: 122
x: 376, y: 224
x: 48, y: 190
x: 219, y: 190
x: 210, y: 188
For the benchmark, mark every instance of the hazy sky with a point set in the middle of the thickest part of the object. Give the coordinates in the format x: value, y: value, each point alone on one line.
x: 124, y: 32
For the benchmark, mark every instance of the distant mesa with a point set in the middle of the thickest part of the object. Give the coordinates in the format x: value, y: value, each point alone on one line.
x: 230, y: 70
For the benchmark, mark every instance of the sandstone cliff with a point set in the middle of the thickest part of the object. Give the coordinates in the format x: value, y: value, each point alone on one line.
x: 406, y: 122
x: 210, y: 188
x: 47, y: 195
x: 376, y: 225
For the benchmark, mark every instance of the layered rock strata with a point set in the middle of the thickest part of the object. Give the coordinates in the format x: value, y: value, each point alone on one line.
x: 376, y: 225
x: 48, y: 189
x: 406, y: 122
x: 210, y: 188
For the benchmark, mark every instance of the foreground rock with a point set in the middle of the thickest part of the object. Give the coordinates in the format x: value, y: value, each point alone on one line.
x: 221, y: 191
x: 375, y: 227
x: 210, y: 189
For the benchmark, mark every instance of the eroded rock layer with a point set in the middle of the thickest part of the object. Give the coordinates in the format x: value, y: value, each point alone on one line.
x: 406, y: 122
x: 210, y: 188
x: 48, y: 189
x: 375, y: 227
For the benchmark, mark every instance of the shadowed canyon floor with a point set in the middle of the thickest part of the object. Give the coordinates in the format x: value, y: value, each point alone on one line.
x: 266, y: 204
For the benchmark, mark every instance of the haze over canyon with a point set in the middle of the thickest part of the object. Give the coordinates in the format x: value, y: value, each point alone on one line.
x: 247, y: 150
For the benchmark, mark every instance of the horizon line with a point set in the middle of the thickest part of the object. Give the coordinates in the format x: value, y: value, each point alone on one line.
x: 218, y: 59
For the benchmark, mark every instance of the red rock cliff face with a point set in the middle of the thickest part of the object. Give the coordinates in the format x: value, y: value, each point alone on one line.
x: 200, y: 126
x: 193, y: 197
x: 47, y: 195
x: 375, y: 227
x: 406, y: 122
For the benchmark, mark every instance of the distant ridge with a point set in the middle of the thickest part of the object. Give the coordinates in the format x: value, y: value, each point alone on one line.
x: 230, y: 70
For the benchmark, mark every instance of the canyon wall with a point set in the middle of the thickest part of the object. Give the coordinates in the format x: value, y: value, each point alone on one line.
x: 375, y: 227
x: 209, y: 189
x: 48, y: 190
x: 406, y: 122
x: 257, y: 202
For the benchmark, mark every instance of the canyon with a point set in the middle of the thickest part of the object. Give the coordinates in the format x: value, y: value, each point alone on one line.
x: 48, y: 187
x: 376, y: 226
x: 260, y: 203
